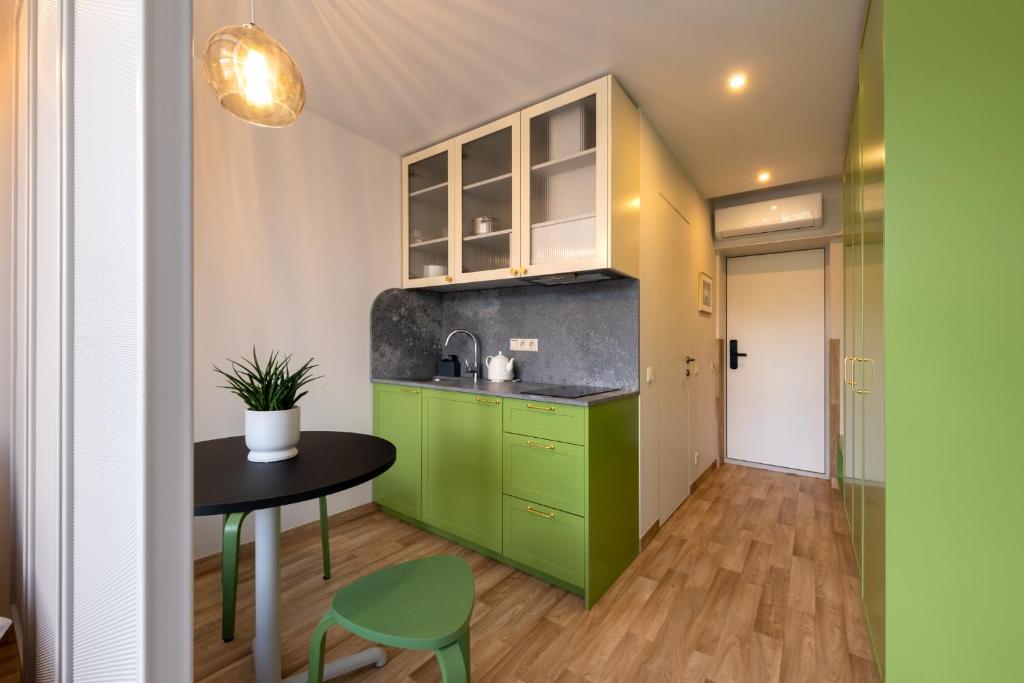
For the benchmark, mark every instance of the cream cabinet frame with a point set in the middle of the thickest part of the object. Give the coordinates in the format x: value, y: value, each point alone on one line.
x: 615, y: 204
x: 510, y: 270
x: 447, y: 193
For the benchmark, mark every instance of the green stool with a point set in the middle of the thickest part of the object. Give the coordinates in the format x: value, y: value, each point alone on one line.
x: 419, y: 605
x: 229, y: 565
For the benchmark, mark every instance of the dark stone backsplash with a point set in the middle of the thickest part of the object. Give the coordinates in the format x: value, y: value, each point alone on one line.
x: 587, y: 333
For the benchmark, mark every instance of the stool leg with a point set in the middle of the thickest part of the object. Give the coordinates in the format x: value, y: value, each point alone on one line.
x: 325, y: 544
x: 454, y: 660
x: 229, y: 572
x: 316, y: 649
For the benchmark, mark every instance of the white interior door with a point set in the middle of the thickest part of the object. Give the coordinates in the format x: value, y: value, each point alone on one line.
x: 672, y: 383
x: 776, y: 395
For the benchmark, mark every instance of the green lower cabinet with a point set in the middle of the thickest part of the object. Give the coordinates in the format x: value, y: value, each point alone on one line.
x: 548, y: 472
x: 544, y: 538
x: 397, y: 417
x: 549, y: 488
x: 462, y: 466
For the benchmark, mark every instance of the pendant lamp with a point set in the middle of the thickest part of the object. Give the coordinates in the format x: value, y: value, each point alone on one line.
x: 252, y: 75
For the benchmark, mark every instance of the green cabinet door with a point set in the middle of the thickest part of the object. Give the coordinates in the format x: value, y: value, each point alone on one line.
x: 396, y: 417
x: 547, y: 472
x: 462, y: 466
x: 545, y: 539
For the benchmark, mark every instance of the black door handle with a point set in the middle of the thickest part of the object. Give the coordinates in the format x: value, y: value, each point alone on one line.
x: 689, y: 360
x: 734, y: 354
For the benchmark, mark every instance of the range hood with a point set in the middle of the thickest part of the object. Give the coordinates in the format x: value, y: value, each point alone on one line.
x: 573, y: 278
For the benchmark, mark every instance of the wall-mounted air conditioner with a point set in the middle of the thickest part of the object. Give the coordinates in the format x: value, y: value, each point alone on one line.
x: 789, y: 213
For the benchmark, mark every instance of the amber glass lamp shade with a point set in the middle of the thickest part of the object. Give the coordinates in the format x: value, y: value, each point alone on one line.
x: 253, y: 77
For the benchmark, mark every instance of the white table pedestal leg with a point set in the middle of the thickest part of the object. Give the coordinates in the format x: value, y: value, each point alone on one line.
x: 266, y: 646
x: 336, y: 667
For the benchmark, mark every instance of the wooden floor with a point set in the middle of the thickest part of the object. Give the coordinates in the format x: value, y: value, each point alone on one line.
x: 752, y: 579
x: 10, y: 664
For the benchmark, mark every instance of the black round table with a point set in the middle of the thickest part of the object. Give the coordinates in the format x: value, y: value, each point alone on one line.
x: 225, y: 482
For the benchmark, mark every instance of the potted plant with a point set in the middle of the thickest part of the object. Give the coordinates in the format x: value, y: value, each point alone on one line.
x: 270, y: 391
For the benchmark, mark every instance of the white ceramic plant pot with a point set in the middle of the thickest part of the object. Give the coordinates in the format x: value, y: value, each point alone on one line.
x: 272, y: 435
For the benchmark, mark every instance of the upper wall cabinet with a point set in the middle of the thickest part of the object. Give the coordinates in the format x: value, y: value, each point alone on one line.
x: 550, y: 190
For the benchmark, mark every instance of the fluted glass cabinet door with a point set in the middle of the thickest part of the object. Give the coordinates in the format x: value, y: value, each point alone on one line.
x: 487, y: 201
x: 427, y: 217
x: 565, y: 182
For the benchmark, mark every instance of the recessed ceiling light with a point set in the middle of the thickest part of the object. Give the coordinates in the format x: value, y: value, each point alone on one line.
x: 737, y: 81
x: 774, y: 207
x: 764, y: 177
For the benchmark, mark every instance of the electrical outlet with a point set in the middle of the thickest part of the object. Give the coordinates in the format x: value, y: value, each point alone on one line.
x: 650, y: 375
x: 696, y: 457
x: 516, y: 344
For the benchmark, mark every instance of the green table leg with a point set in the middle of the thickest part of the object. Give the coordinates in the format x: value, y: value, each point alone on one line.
x: 229, y: 572
x: 324, y: 539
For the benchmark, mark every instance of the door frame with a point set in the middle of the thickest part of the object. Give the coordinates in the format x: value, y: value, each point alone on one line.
x: 828, y: 265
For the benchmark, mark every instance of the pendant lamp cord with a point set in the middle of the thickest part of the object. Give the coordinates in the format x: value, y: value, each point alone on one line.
x: 252, y: 12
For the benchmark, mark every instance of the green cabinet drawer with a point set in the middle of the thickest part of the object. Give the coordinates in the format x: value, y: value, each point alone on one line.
x: 462, y: 466
x: 545, y: 539
x: 553, y: 421
x: 397, y: 414
x: 548, y: 472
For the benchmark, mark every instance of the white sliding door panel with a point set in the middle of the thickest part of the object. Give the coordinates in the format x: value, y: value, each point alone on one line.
x: 776, y: 394
x: 102, y: 434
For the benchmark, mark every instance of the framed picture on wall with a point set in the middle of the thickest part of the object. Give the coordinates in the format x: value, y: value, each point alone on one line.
x: 704, y: 292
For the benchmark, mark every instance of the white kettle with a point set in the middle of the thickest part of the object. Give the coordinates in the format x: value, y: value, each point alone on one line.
x: 500, y: 368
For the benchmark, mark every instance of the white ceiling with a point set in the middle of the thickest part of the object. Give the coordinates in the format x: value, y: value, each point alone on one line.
x: 407, y: 73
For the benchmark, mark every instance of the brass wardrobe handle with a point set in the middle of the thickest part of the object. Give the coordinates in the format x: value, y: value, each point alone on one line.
x: 489, y: 401
x: 536, y: 407
x: 407, y: 390
x: 871, y: 389
x: 540, y: 513
x: 534, y: 444
x: 847, y: 376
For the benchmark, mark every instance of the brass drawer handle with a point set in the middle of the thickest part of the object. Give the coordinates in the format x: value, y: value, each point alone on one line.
x: 487, y: 400
x: 534, y: 444
x: 539, y: 513
x: 407, y: 390
x: 535, y: 407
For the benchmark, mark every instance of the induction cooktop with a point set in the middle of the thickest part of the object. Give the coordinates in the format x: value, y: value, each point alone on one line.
x: 570, y: 391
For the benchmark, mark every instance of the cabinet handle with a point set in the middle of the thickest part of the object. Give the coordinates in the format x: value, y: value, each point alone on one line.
x: 524, y: 271
x: 407, y: 390
x: 447, y: 278
x: 846, y: 375
x: 540, y: 513
x: 871, y: 362
x: 514, y: 271
x: 534, y: 444
x: 536, y: 407
x: 487, y: 400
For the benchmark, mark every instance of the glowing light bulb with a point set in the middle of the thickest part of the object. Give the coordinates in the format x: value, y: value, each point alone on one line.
x: 256, y: 79
x: 253, y: 76
x: 737, y: 81
x: 764, y: 177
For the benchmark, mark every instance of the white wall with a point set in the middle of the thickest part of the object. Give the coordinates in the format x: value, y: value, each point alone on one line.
x: 827, y: 237
x: 661, y: 174
x: 7, y: 42
x: 296, y: 232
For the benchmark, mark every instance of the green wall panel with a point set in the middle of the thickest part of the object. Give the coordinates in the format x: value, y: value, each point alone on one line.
x: 954, y: 114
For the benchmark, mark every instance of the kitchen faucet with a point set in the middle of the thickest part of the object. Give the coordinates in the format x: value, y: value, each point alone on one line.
x: 475, y: 367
